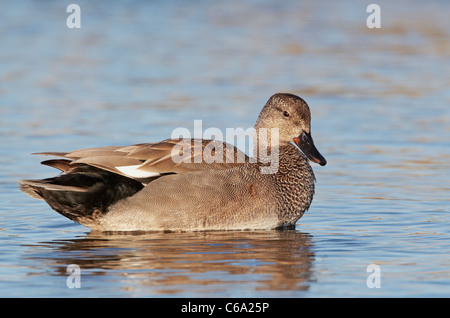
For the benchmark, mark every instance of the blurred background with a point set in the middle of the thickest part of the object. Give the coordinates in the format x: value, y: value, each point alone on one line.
x: 136, y: 70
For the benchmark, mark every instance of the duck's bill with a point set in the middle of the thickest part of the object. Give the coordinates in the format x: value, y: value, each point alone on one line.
x: 306, y: 144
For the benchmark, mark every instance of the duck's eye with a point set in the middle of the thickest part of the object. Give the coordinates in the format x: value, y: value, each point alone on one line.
x: 285, y: 114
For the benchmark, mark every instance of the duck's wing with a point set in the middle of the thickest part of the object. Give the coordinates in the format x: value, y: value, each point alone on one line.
x: 149, y: 160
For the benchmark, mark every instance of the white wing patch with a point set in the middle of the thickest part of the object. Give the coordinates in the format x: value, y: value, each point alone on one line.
x: 135, y: 172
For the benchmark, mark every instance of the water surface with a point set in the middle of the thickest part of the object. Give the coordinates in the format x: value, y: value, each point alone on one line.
x: 137, y: 70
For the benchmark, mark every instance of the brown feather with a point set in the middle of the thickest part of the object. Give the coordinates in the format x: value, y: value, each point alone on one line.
x: 62, y: 164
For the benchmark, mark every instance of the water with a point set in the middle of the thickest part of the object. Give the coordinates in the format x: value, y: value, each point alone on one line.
x: 137, y: 70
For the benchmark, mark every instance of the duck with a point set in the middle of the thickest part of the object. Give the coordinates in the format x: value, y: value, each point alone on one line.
x: 188, y: 184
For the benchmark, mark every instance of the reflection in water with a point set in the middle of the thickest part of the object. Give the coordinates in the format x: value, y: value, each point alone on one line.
x: 182, y: 263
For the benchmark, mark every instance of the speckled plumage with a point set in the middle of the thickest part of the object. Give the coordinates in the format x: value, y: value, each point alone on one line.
x: 139, y: 187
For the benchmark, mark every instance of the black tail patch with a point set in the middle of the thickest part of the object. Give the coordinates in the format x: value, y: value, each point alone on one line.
x: 84, y: 193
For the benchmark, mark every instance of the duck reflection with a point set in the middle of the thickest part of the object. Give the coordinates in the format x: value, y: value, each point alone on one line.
x: 174, y: 263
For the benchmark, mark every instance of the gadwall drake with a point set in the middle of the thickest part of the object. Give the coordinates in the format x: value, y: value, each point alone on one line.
x: 143, y: 188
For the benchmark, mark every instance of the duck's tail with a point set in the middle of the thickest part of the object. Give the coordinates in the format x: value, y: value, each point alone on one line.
x: 83, y: 194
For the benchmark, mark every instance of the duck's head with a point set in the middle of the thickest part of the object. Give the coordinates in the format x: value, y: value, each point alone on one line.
x: 291, y: 115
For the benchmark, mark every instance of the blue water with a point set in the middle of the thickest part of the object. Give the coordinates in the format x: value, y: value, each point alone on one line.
x: 134, y: 71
